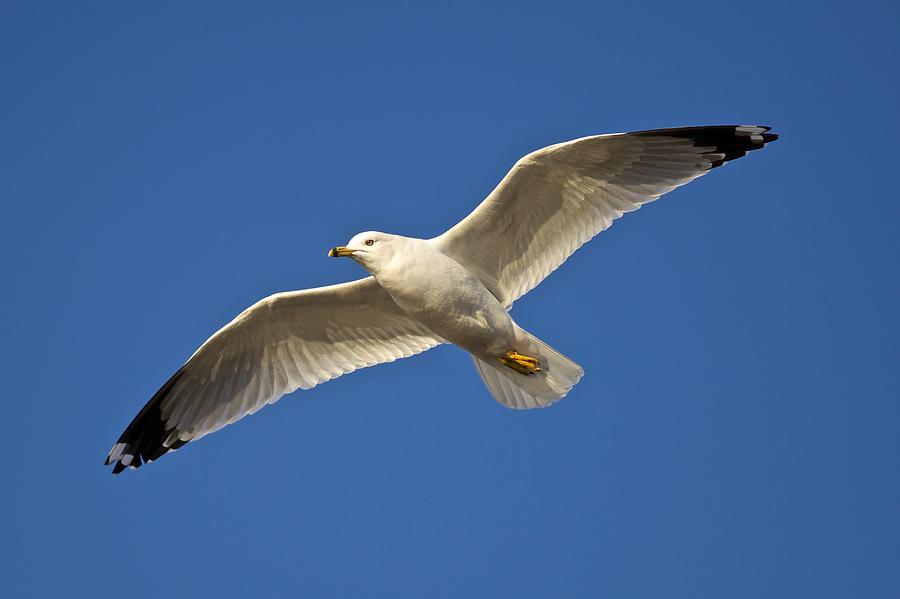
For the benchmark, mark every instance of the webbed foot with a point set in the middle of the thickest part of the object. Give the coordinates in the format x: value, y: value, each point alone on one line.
x: 521, y: 364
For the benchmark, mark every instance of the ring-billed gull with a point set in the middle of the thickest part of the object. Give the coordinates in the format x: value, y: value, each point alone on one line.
x: 455, y: 288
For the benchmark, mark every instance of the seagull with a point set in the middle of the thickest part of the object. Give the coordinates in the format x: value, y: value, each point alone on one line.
x: 455, y: 288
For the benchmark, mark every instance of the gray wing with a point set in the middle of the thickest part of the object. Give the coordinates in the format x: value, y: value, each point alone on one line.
x: 557, y: 198
x: 283, y: 342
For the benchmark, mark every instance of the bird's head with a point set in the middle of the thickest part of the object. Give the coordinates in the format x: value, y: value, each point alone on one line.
x: 371, y: 249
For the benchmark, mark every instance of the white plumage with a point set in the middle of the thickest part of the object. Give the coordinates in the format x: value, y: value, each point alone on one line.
x: 457, y: 288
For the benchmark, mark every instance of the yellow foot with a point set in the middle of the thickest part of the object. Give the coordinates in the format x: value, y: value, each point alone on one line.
x: 519, y: 363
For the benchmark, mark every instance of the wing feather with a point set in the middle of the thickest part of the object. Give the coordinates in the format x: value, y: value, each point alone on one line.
x: 283, y: 342
x: 555, y: 199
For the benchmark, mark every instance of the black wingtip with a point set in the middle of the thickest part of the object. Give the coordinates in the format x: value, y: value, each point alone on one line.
x: 143, y: 439
x: 727, y: 142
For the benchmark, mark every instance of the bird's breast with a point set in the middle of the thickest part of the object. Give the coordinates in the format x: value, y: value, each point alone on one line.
x: 449, y: 300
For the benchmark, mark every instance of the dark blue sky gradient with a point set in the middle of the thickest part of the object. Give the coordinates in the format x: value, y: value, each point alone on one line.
x: 166, y: 164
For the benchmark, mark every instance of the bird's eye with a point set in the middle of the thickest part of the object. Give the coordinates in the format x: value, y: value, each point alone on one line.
x: 370, y: 241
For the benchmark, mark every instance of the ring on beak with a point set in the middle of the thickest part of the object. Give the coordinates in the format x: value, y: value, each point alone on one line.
x: 337, y: 252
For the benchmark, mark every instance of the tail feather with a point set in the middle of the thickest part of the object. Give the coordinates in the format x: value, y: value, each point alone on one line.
x: 519, y: 391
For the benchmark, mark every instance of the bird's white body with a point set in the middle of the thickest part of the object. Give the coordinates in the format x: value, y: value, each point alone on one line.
x: 438, y: 292
x: 452, y: 303
x: 456, y: 288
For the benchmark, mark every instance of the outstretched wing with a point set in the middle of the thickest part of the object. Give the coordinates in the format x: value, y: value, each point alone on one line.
x: 557, y: 198
x: 283, y: 342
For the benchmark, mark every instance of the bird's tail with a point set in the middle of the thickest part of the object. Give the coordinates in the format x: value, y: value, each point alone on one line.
x: 557, y: 376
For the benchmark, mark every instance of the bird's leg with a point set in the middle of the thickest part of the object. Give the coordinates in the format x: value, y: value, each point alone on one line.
x: 519, y: 363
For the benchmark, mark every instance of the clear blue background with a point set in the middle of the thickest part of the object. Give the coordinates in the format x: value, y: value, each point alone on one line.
x: 736, y: 435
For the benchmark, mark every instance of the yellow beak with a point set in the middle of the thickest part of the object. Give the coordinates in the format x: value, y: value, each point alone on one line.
x: 337, y: 252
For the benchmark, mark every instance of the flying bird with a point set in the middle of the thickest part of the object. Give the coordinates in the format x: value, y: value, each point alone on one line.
x: 455, y: 288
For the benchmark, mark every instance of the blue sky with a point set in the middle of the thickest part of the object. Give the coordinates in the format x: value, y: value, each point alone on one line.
x: 165, y: 165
